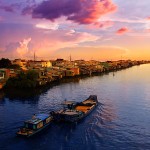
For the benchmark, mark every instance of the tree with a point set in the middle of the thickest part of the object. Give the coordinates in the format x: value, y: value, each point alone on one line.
x: 5, y: 63
x: 32, y: 75
x: 23, y: 80
x: 14, y: 66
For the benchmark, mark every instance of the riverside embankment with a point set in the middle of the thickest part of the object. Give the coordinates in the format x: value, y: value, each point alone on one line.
x: 39, y: 77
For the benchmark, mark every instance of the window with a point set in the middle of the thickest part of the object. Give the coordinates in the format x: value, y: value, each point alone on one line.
x: 48, y: 120
x: 40, y: 125
x: 34, y: 126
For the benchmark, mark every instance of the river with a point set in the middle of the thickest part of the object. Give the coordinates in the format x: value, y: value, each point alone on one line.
x: 120, y: 122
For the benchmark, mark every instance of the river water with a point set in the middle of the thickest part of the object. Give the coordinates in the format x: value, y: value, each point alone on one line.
x: 120, y: 122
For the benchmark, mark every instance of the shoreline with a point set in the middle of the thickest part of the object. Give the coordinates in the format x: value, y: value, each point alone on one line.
x: 34, y: 78
x: 26, y: 93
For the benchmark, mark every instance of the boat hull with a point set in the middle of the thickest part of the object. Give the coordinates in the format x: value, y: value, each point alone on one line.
x: 81, y: 110
x: 35, y: 125
x: 35, y: 132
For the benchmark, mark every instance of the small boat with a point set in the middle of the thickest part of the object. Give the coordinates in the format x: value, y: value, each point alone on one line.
x: 36, y: 124
x: 74, y: 111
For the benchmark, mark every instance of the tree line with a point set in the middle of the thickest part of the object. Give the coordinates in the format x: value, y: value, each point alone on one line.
x: 23, y: 80
x: 6, y: 63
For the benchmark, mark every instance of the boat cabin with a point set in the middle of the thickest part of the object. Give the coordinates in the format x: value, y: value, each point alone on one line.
x: 34, y: 125
x: 37, y: 122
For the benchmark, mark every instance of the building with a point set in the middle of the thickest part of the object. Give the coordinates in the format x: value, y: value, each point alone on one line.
x: 75, y: 70
x: 39, y: 64
x: 13, y: 73
x: 21, y: 63
x: 4, y: 74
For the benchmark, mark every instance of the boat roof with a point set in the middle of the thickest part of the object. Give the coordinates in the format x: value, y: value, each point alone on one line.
x: 37, y: 118
x: 42, y: 116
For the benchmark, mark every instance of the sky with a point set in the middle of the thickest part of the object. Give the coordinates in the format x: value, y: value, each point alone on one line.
x: 85, y: 29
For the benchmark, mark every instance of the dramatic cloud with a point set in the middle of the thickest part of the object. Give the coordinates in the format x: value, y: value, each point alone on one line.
x: 122, y: 30
x: 23, y: 47
x: 16, y: 49
x: 45, y: 39
x: 79, y: 11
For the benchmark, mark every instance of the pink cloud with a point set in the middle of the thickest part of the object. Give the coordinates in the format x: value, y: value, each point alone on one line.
x: 148, y: 18
x: 104, y: 24
x: 122, y: 30
x: 16, y: 49
x: 18, y: 44
x: 23, y: 47
x: 147, y: 30
x: 79, y: 11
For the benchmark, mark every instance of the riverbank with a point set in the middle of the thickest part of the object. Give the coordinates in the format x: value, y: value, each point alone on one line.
x: 65, y: 79
x: 13, y: 93
x: 40, y: 78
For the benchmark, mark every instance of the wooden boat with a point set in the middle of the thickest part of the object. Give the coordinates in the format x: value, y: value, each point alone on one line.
x: 73, y: 111
x: 36, y: 124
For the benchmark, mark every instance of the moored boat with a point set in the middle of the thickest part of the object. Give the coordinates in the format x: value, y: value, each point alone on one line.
x: 74, y: 111
x: 36, y: 124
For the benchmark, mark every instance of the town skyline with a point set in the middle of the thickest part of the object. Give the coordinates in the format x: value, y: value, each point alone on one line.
x: 85, y: 29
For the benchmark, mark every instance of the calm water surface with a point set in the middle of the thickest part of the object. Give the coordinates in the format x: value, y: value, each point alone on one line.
x: 121, y: 120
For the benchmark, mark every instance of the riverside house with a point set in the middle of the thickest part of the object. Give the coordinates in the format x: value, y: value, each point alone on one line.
x: 4, y: 75
x: 21, y: 63
x: 38, y: 64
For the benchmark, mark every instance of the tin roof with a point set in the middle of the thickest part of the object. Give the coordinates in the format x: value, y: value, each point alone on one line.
x: 42, y: 116
x: 37, y: 118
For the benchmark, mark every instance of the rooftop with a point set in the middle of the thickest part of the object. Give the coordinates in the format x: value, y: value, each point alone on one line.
x: 37, y: 118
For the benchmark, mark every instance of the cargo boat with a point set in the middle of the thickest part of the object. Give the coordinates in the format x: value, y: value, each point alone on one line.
x: 36, y: 124
x: 75, y: 111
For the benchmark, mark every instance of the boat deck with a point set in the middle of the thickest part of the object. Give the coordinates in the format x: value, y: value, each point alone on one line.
x: 74, y: 111
x: 25, y: 132
x: 70, y: 112
x: 35, y: 124
x: 84, y: 108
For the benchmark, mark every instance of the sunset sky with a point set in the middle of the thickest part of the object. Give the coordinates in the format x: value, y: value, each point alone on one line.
x: 84, y: 29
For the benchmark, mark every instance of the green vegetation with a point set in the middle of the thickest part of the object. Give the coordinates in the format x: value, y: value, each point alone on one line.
x: 23, y: 80
x: 105, y: 64
x: 6, y: 63
x: 14, y: 66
